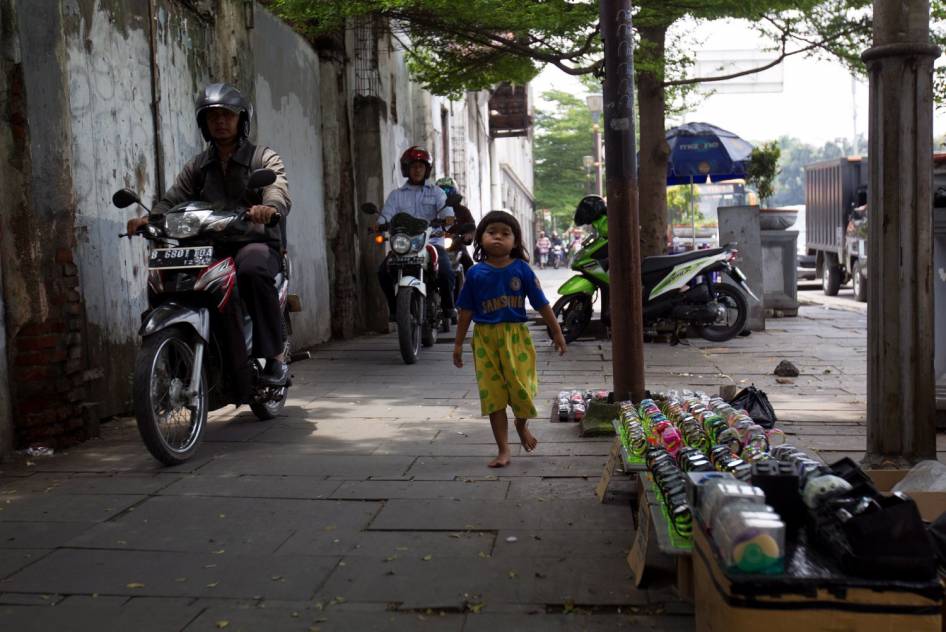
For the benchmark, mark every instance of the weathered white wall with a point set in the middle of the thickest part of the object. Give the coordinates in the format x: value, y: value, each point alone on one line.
x: 112, y: 138
x: 289, y: 120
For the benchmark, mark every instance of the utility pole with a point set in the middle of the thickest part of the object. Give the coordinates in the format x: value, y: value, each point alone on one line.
x: 900, y: 389
x: 627, y: 328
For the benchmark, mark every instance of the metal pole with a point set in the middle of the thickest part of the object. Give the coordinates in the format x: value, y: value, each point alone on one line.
x: 900, y: 388
x: 692, y: 214
x: 627, y: 328
x: 597, y: 156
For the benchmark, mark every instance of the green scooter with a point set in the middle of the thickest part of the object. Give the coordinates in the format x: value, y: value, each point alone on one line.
x: 680, y: 291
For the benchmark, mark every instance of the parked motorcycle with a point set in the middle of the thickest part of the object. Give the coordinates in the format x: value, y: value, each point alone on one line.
x: 679, y: 291
x: 413, y: 261
x: 180, y: 372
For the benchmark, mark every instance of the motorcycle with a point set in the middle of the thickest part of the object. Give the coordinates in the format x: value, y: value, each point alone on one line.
x: 180, y: 372
x: 455, y: 244
x: 413, y: 261
x: 679, y: 290
x: 557, y: 255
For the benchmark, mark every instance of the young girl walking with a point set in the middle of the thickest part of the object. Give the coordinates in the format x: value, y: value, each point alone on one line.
x: 493, y: 296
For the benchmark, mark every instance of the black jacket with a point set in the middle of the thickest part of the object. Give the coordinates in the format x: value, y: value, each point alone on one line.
x: 202, y: 178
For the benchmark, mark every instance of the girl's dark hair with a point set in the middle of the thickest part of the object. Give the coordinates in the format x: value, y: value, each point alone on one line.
x: 500, y: 217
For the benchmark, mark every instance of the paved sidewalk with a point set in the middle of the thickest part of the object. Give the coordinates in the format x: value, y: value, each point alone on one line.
x: 368, y: 505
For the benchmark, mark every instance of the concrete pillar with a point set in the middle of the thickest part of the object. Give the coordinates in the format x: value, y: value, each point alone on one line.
x: 367, y: 114
x: 900, y: 394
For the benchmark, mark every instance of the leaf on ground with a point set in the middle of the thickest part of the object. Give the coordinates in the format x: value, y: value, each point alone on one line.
x: 221, y: 515
x: 180, y: 579
x: 390, y: 558
x: 475, y: 607
x: 568, y: 607
x: 513, y: 574
x: 484, y: 555
x: 134, y: 585
x: 427, y: 557
x: 455, y: 535
x: 212, y: 584
x: 219, y: 552
x: 222, y: 624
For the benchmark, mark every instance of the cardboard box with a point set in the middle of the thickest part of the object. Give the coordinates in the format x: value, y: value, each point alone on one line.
x: 931, y: 504
x: 760, y: 603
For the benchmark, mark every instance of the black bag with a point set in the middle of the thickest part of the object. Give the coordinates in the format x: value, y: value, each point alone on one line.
x: 756, y: 403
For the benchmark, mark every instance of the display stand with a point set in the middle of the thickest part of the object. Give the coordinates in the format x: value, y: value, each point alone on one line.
x: 653, y: 547
x: 614, y: 460
x: 787, y: 603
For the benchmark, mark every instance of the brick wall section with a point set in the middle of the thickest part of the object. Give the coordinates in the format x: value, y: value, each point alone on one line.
x: 48, y: 368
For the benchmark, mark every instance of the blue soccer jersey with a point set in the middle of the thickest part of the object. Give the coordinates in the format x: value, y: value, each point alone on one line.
x: 498, y: 295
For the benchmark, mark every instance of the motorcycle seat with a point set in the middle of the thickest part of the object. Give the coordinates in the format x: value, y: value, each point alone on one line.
x: 652, y: 264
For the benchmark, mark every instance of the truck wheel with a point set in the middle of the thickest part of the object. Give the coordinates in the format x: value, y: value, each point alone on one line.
x: 831, y: 279
x: 860, y: 283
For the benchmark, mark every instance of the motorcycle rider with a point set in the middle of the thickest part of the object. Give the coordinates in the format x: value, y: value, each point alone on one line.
x: 463, y: 216
x: 219, y: 175
x: 423, y: 201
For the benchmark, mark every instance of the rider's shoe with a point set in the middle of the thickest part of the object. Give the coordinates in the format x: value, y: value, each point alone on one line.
x: 276, y: 373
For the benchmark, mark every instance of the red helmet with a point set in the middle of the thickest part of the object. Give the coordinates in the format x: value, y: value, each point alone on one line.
x: 412, y: 155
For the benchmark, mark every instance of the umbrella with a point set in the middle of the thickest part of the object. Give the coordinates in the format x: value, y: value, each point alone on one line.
x: 701, y: 152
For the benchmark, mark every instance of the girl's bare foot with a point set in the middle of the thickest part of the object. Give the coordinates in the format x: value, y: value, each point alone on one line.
x: 500, y: 461
x: 526, y: 438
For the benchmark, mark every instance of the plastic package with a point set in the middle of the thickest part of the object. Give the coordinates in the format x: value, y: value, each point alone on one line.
x: 750, y: 538
x: 718, y: 493
x: 926, y: 476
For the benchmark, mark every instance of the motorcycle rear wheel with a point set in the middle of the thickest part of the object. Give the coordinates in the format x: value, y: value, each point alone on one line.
x: 171, y: 431
x: 573, y: 313
x: 270, y: 408
x: 409, y: 324
x: 731, y: 297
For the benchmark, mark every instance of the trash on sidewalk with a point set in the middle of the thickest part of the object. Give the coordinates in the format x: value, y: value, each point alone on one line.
x: 38, y: 450
x: 786, y: 369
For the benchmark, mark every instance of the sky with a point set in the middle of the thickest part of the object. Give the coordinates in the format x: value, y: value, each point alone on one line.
x: 813, y: 100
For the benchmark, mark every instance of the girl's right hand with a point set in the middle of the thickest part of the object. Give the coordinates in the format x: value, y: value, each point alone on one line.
x: 559, y: 341
x: 458, y: 356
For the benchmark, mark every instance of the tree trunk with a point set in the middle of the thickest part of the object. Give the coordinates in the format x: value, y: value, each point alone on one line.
x: 654, y: 150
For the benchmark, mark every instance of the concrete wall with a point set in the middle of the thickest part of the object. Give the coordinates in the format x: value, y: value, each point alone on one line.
x: 289, y: 120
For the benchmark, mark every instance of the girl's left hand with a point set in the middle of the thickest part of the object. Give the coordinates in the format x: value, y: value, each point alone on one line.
x: 559, y: 341
x: 458, y: 357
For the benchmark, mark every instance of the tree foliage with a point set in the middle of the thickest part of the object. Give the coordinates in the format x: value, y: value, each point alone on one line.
x: 563, y: 137
x: 796, y: 155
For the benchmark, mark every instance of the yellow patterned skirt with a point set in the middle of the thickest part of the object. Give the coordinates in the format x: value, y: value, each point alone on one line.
x: 504, y: 357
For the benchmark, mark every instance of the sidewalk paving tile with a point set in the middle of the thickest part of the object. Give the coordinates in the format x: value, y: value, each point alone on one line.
x: 173, y: 574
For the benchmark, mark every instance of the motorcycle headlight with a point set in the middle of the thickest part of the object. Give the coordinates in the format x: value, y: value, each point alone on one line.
x: 401, y: 244
x: 448, y: 243
x: 184, y: 225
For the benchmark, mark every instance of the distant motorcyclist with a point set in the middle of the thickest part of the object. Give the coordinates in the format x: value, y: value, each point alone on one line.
x: 219, y: 175
x: 463, y: 216
x: 423, y: 201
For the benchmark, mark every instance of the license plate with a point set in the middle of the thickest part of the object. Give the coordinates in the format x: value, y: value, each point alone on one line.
x: 165, y: 258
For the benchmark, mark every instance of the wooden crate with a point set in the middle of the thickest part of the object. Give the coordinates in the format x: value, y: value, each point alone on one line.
x: 771, y: 605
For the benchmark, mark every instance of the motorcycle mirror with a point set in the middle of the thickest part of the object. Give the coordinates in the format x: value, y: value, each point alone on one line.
x: 261, y: 178
x: 368, y: 208
x: 124, y: 198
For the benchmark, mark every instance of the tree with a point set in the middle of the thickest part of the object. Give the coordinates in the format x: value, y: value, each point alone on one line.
x: 457, y: 46
x: 796, y: 155
x: 679, y: 201
x: 562, y: 138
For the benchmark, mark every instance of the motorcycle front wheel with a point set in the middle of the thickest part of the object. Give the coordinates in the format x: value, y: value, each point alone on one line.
x: 268, y: 409
x: 409, y: 324
x: 573, y: 313
x: 170, y: 426
x: 732, y: 318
